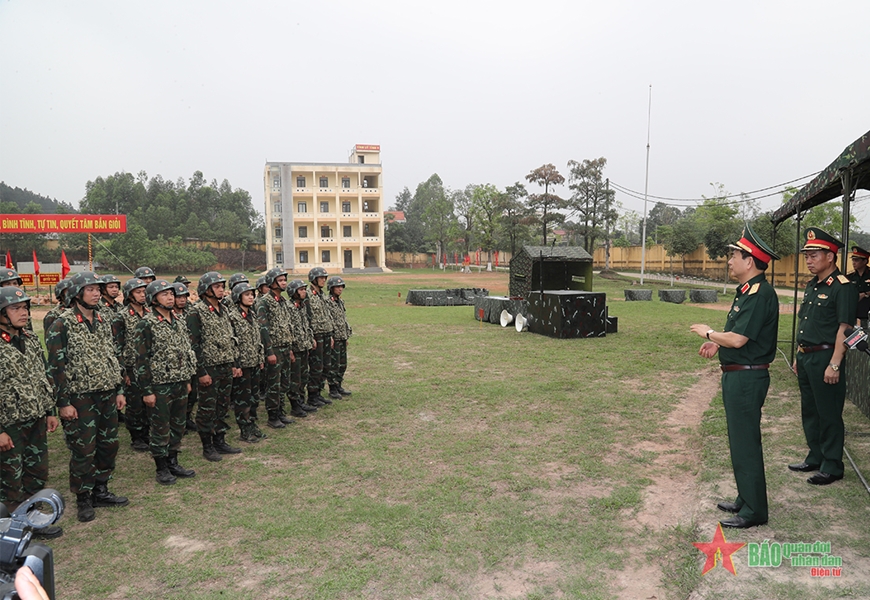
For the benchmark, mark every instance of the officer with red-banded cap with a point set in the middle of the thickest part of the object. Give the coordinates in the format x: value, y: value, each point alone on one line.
x: 861, y: 278
x: 827, y: 310
x: 746, y: 347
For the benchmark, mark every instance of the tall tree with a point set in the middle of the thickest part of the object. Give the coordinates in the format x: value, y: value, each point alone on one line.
x: 517, y: 217
x: 546, y: 176
x: 437, y: 212
x: 717, y: 220
x: 591, y: 199
x: 463, y: 204
x: 488, y: 207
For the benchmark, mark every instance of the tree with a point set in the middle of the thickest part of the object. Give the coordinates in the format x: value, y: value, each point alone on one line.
x: 546, y: 176
x: 681, y: 238
x: 591, y: 199
x: 717, y: 220
x: 437, y: 213
x: 517, y: 218
x: 660, y: 214
x: 463, y: 203
x: 488, y: 206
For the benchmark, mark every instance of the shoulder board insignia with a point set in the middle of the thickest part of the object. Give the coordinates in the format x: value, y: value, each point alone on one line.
x: 843, y: 279
x: 743, y: 288
x: 829, y: 280
x: 823, y: 296
x: 755, y: 288
x: 6, y: 337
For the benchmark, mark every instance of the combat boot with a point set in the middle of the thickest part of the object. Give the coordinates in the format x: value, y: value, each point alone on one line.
x: 333, y: 391
x: 319, y: 397
x: 103, y: 497
x: 189, y: 425
x: 220, y: 444
x: 300, y: 401
x: 282, y: 416
x: 176, y: 469
x: 208, y: 450
x: 248, y: 434
x: 164, y: 477
x: 274, y: 421
x: 85, y: 505
x: 343, y: 391
x: 256, y: 432
x: 296, y: 409
x: 139, y: 443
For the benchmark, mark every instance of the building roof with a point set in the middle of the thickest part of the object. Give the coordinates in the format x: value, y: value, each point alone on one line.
x: 398, y: 215
x: 559, y: 253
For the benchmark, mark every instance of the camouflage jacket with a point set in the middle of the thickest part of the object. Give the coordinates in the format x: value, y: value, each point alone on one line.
x: 27, y: 393
x: 82, y: 357
x: 211, y: 335
x: 303, y: 336
x: 318, y: 313
x: 110, y: 308
x: 273, y: 315
x: 51, y: 316
x: 340, y: 329
x: 249, y: 349
x: 123, y: 334
x: 163, y: 352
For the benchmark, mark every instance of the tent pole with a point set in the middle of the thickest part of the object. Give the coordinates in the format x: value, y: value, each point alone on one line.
x: 796, y: 267
x: 846, y: 179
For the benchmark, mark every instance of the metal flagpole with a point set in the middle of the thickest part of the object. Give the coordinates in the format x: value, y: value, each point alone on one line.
x: 645, y: 189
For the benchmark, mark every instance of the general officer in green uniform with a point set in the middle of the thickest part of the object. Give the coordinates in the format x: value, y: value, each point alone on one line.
x: 861, y: 278
x: 746, y: 347
x: 827, y: 310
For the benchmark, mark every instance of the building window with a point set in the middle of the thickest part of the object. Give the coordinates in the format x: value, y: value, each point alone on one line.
x: 362, y: 160
x: 324, y: 182
x: 279, y: 257
x: 303, y: 256
x: 347, y: 231
x: 325, y: 231
x: 303, y: 232
x: 324, y: 207
x: 345, y: 207
x: 278, y: 232
x: 324, y: 255
x: 303, y: 207
x: 300, y: 181
x: 345, y: 182
x: 276, y: 182
x: 365, y: 206
x: 276, y: 208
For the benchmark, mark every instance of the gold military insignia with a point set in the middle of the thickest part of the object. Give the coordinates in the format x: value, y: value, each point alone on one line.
x: 755, y: 288
x: 843, y: 279
x: 811, y: 235
x: 823, y: 296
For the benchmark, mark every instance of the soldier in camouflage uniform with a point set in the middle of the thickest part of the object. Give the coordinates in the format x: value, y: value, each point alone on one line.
x: 59, y: 294
x: 86, y: 371
x: 211, y: 336
x: 182, y: 309
x: 234, y: 280
x: 303, y: 339
x: 341, y: 333
x: 110, y: 288
x: 136, y: 418
x: 26, y: 408
x: 146, y: 274
x: 273, y: 316
x: 11, y: 278
x: 164, y: 365
x: 321, y: 323
x: 262, y: 290
x: 249, y: 360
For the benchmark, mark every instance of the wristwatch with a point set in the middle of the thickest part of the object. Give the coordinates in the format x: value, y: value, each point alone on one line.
x: 834, y: 367
x: 709, y: 332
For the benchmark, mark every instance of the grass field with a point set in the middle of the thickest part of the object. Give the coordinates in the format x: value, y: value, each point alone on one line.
x: 476, y: 462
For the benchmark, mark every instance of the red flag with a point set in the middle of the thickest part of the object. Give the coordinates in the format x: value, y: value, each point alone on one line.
x: 64, y: 265
x: 496, y: 258
x: 35, y: 264
x: 8, y: 260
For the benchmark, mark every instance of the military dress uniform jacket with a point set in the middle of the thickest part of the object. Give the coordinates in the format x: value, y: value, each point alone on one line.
x: 82, y: 356
x: 211, y: 336
x: 319, y: 313
x: 862, y: 286
x: 249, y: 347
x: 27, y: 394
x: 341, y: 331
x: 163, y: 352
x: 755, y: 315
x: 826, y: 304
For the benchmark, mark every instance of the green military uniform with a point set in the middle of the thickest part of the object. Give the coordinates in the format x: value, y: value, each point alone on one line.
x: 319, y: 357
x: 248, y: 358
x: 111, y: 307
x: 303, y: 341
x: 136, y: 416
x: 51, y: 316
x: 826, y: 304
x: 862, y: 283
x: 273, y: 317
x: 341, y: 332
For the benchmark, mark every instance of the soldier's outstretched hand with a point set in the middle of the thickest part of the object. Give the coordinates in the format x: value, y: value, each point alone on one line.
x: 51, y: 423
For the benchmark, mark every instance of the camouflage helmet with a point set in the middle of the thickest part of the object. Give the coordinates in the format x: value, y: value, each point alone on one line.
x: 273, y: 274
x: 7, y: 275
x: 107, y: 279
x: 294, y: 286
x: 143, y: 272
x: 261, y: 282
x: 207, y: 280
x: 132, y: 284
x: 154, y: 288
x: 182, y: 279
x: 335, y: 281
x: 80, y: 281
x: 316, y: 272
x: 240, y: 289
x: 180, y: 289
x: 61, y: 287
x: 10, y: 295
x: 237, y: 278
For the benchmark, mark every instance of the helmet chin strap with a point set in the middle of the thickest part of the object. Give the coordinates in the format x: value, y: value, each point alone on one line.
x: 81, y: 302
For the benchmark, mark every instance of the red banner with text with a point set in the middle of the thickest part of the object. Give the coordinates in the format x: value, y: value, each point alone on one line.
x: 63, y: 223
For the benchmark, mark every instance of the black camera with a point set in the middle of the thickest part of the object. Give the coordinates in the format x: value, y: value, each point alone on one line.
x: 41, y: 510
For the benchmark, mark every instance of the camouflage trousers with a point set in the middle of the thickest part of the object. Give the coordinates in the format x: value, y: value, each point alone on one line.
x: 168, y: 418
x: 24, y: 468
x: 299, y: 374
x: 318, y: 362
x: 245, y: 389
x: 136, y: 413
x: 191, y: 397
x: 214, y: 400
x: 278, y: 379
x: 92, y: 439
x: 338, y: 363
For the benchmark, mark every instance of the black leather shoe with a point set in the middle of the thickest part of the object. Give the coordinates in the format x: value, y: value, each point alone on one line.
x: 729, y: 507
x: 102, y: 497
x: 48, y: 533
x: 803, y: 467
x: 821, y: 478
x: 738, y: 522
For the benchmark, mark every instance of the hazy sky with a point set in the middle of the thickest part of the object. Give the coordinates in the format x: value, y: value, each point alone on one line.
x: 749, y: 94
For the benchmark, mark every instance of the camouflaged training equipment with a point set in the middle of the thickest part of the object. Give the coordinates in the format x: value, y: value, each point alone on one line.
x: 169, y: 358
x: 154, y: 288
x: 132, y: 284
x: 29, y: 395
x: 182, y: 279
x: 106, y: 279
x: 317, y: 272
x: 180, y: 289
x: 60, y: 288
x: 273, y: 274
x: 294, y: 286
x: 207, y: 280
x: 144, y: 272
x: 335, y: 281
x: 236, y: 279
x: 7, y: 275
x: 80, y: 281
x: 91, y: 365
x: 240, y: 289
x: 215, y: 334
x: 10, y: 295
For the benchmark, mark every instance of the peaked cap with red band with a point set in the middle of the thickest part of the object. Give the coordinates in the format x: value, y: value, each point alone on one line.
x: 819, y: 239
x: 754, y: 245
x: 859, y: 252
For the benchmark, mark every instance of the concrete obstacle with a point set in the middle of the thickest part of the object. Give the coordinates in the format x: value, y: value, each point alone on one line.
x: 703, y: 296
x: 674, y: 296
x: 638, y: 295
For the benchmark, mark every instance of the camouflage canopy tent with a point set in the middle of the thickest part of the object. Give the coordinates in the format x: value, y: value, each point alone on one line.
x: 550, y: 268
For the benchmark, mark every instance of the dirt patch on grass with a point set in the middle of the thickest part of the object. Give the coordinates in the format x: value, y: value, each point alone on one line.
x: 515, y: 583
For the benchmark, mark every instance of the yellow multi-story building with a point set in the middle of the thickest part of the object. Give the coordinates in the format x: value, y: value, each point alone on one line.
x: 326, y: 214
